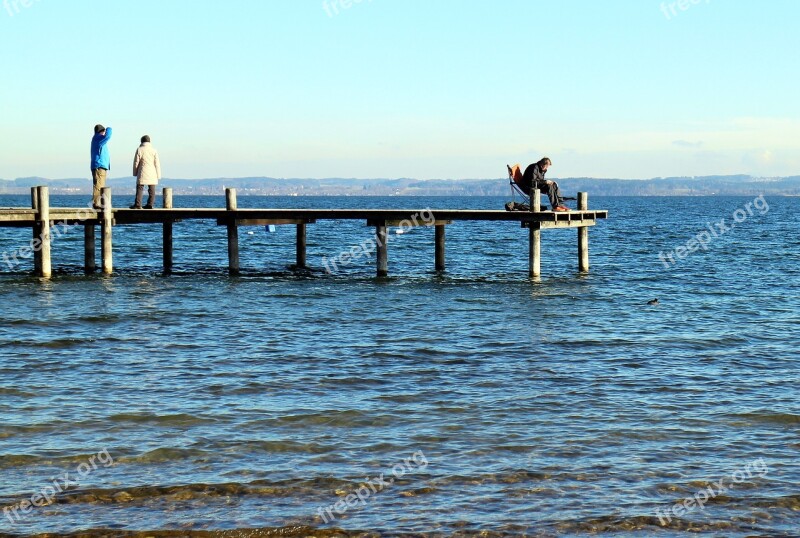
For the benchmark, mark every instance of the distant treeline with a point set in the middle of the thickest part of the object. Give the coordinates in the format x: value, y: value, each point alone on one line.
x: 671, y: 186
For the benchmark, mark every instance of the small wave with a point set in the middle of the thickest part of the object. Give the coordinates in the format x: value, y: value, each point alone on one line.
x: 180, y: 419
x: 20, y: 460
x: 401, y: 398
x: 769, y: 417
x: 109, y: 319
x: 58, y: 343
x: 161, y: 455
x: 62, y: 343
x: 12, y: 430
x: 6, y: 391
x: 15, y: 460
x: 340, y: 419
x: 283, y: 447
x: 31, y: 322
x: 323, y: 486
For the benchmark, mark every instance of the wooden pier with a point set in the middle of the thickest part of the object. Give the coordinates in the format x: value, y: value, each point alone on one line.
x: 40, y: 217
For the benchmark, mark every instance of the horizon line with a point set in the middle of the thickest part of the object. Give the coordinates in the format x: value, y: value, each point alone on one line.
x: 220, y: 178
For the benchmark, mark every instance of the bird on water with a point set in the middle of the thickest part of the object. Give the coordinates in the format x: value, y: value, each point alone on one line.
x: 653, y: 302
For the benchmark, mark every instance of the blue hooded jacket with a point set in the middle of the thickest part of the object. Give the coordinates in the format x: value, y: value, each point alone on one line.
x: 100, y: 158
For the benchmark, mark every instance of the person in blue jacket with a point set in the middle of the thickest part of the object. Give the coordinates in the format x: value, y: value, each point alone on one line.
x: 101, y: 162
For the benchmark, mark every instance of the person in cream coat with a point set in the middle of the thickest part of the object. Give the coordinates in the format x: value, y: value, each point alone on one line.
x: 147, y: 169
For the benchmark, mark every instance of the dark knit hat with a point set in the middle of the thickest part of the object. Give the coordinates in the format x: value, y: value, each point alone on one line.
x: 99, y: 128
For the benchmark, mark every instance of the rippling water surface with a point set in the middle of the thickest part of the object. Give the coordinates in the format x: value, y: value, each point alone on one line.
x: 457, y: 404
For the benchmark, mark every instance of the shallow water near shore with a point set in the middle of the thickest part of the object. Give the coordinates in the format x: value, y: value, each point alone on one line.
x: 469, y: 403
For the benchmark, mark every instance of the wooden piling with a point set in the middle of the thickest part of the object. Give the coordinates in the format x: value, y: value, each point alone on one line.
x: 535, y: 242
x: 37, y: 254
x: 440, y: 247
x: 89, y: 262
x: 301, y: 245
x: 43, y: 246
x: 583, y: 235
x: 233, y: 233
x: 106, y: 224
x: 167, y: 202
x: 381, y: 238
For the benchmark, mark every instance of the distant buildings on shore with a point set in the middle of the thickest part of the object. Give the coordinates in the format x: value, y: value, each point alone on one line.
x: 676, y: 186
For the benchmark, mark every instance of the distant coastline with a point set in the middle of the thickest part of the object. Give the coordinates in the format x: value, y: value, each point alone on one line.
x: 742, y: 185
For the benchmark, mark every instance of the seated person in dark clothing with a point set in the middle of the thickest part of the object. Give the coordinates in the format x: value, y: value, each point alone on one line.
x: 533, y: 178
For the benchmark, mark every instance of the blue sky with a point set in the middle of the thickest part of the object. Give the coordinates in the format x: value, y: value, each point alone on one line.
x: 402, y: 88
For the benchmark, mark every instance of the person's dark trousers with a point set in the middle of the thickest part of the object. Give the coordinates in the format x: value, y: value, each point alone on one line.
x: 553, y: 192
x: 151, y: 195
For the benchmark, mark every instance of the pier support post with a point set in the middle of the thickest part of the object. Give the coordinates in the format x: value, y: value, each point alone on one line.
x: 583, y: 236
x: 89, y: 262
x: 43, y: 246
x: 233, y: 233
x: 106, y: 223
x: 535, y: 242
x: 381, y: 238
x: 440, y: 247
x: 535, y: 251
x: 37, y: 254
x: 167, y: 198
x: 301, y: 245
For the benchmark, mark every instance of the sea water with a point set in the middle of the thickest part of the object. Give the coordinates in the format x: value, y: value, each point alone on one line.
x: 473, y: 401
